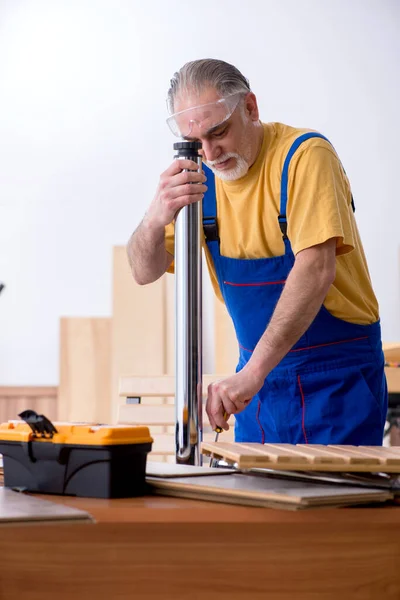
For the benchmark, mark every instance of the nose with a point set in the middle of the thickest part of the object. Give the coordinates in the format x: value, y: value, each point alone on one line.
x: 211, y: 149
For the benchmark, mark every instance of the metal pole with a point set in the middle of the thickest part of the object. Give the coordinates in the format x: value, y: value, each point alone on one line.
x: 188, y: 323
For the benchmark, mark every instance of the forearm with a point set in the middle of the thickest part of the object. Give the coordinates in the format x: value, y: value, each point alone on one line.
x: 147, y: 255
x: 301, y: 299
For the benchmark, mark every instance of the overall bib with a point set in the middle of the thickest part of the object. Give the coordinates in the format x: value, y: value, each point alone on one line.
x: 330, y: 388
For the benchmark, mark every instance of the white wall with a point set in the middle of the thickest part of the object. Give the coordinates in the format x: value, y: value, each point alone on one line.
x: 83, y: 139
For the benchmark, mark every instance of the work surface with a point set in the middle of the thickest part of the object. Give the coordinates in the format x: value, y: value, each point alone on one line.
x: 170, y: 548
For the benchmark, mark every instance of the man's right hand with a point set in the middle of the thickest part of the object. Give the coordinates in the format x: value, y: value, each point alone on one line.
x: 175, y: 190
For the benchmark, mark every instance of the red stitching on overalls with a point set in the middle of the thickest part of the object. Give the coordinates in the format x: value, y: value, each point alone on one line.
x: 247, y: 349
x: 365, y: 337
x: 303, y: 409
x: 259, y: 423
x: 255, y: 284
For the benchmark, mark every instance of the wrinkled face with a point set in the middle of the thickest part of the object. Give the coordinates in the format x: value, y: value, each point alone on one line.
x: 224, y: 127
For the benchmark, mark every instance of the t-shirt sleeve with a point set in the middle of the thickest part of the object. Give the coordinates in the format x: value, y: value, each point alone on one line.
x: 319, y: 200
x: 170, y: 244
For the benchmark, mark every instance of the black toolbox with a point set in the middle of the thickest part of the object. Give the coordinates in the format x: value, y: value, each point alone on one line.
x: 97, y: 461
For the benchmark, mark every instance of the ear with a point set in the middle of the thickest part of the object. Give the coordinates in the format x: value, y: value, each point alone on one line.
x: 251, y: 107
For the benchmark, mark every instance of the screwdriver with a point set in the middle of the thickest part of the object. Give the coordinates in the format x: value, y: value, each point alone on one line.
x: 217, y: 430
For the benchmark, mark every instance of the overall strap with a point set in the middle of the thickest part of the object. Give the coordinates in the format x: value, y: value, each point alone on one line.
x: 210, y: 225
x: 285, y: 178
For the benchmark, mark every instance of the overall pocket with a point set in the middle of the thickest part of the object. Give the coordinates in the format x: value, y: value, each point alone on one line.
x: 339, y: 406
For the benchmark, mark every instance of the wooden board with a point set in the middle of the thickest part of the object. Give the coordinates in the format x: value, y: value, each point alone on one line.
x: 382, y: 481
x: 153, y: 385
x: 25, y: 509
x: 85, y: 369
x: 225, y: 343
x: 261, y: 491
x: 391, y: 351
x: 150, y: 414
x: 306, y: 457
x: 169, y: 307
x: 393, y: 379
x: 15, y: 399
x: 161, y: 414
x: 392, y: 355
x: 166, y: 470
x: 139, y: 330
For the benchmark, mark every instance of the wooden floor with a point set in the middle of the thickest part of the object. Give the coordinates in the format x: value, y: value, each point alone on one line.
x: 169, y: 548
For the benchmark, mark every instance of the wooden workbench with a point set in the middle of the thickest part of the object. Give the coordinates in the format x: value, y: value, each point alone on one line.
x: 168, y: 548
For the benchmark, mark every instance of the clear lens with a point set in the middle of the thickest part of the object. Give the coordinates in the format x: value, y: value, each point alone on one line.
x: 205, y: 116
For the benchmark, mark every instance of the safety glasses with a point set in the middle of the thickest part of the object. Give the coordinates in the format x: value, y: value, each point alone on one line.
x: 206, y: 116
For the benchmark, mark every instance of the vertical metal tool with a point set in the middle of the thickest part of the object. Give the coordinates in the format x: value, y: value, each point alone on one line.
x: 218, y: 430
x: 188, y: 322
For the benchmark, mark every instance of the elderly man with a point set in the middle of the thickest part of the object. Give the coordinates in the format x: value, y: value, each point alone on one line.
x: 285, y: 255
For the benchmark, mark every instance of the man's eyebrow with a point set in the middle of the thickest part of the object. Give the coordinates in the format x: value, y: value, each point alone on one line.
x: 208, y: 132
x: 215, y: 128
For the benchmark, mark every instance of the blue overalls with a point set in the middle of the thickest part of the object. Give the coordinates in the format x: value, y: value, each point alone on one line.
x: 330, y: 388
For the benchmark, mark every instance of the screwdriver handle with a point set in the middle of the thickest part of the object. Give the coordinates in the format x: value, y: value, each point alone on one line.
x: 219, y: 429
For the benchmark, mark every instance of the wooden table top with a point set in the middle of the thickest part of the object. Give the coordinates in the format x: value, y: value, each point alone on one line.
x: 159, y: 509
x: 171, y: 548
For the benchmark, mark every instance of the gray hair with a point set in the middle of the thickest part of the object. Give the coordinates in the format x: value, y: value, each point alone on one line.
x: 207, y: 72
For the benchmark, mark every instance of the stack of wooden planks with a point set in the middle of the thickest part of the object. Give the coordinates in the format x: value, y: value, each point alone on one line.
x: 266, y: 489
x: 306, y: 457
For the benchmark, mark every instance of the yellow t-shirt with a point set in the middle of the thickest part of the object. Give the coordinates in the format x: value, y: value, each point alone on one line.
x: 318, y: 209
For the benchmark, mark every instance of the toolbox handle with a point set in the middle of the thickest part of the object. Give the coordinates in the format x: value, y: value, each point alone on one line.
x: 41, y: 426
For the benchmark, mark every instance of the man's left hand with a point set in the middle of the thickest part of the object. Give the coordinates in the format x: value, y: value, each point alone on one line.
x: 231, y: 395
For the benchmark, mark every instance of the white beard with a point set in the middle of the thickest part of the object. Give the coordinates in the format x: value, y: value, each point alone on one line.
x: 238, y: 171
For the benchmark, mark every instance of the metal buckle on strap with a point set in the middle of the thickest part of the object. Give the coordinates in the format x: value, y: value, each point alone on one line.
x: 283, y: 226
